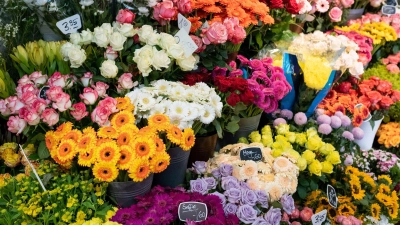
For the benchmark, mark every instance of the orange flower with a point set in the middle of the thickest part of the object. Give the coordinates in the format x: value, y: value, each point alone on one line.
x: 374, y: 97
x: 337, y: 107
x: 386, y: 102
x: 212, y: 9
x: 365, y: 101
x: 332, y: 94
x: 196, y: 23
x: 345, y: 100
x: 364, y: 111
x: 236, y: 11
x: 357, y: 119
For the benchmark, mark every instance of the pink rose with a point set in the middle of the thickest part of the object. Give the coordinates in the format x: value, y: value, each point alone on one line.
x: 16, y: 124
x: 38, y: 78
x: 340, y: 218
x: 87, y: 79
x: 53, y: 92
x: 199, y: 43
x: 295, y: 223
x: 216, y: 34
x: 306, y: 214
x: 62, y: 102
x: 375, y: 3
x: 4, y: 110
x: 125, y: 80
x: 385, y: 61
x: 393, y: 68
x: 25, y: 88
x: 110, y: 53
x: 347, y: 3
x: 100, y: 115
x: 101, y: 88
x: 354, y: 220
x: 70, y: 80
x: 89, y: 96
x: 184, y: 6
x: 109, y: 103
x: 50, y: 116
x: 39, y: 105
x: 79, y: 111
x: 24, y: 80
x: 295, y: 214
x: 335, y: 14
x: 29, y: 115
x: 28, y: 97
x: 239, y: 34
x: 164, y: 11
x: 57, y: 80
x: 230, y: 24
x: 285, y: 217
x: 125, y: 16
x: 14, y: 104
x: 346, y: 222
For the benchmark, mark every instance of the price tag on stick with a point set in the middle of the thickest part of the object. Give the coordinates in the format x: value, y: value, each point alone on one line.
x: 33, y: 168
x: 42, y: 92
x: 184, y: 23
x: 251, y: 153
x: 186, y: 42
x: 319, y: 218
x: 70, y: 25
x: 195, y: 211
x: 332, y: 198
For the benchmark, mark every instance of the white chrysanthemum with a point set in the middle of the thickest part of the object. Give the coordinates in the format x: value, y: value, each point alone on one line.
x: 202, y: 87
x: 145, y: 101
x: 174, y: 119
x: 185, y: 124
x: 215, y: 101
x: 286, y: 181
x: 207, y: 114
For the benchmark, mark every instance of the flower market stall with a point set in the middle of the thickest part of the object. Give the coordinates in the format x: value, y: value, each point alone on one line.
x: 213, y: 112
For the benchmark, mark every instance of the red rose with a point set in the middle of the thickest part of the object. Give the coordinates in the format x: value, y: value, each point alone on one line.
x: 374, y: 97
x: 275, y: 4
x: 223, y: 84
x: 239, y: 84
x: 364, y: 88
x: 247, y: 97
x: 292, y: 7
x: 344, y: 87
x: 386, y: 102
x: 384, y: 86
x: 233, y: 99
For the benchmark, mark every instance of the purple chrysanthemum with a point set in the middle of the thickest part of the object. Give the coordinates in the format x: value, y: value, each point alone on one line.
x: 279, y: 121
x: 150, y: 219
x: 287, y: 114
x: 319, y: 112
x: 323, y: 119
x: 339, y: 114
x: 162, y: 200
x: 324, y: 129
x: 300, y: 118
x: 358, y: 133
x: 346, y: 121
x: 336, y: 122
x: 276, y: 112
x: 348, y: 135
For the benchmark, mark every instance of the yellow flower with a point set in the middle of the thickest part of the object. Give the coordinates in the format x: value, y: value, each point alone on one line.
x: 11, y: 159
x: 281, y: 138
x: 107, y: 132
x: 333, y: 157
x: 63, y: 129
x: 345, y: 210
x: 122, y: 118
x: 111, y: 223
x: 71, y: 201
x: 51, y: 140
x: 66, y: 151
x: 108, y: 152
x: 352, y: 170
x: 89, y: 130
x: 105, y: 171
x: 124, y: 138
x: 266, y: 130
x: 301, y: 139
x: 315, y: 167
x: 111, y: 213
x: 93, y: 221
x: 301, y: 163
x: 188, y: 139
x: 276, y: 152
x: 125, y: 104
x: 267, y: 140
x: 326, y: 148
x: 309, y: 156
x: 383, y: 188
x: 316, y: 71
x: 144, y: 147
x: 314, y: 143
x: 86, y: 142
x: 375, y: 210
x: 74, y: 135
x: 159, y: 162
x: 87, y: 157
x: 80, y: 216
x: 255, y: 136
x: 174, y: 134
x: 282, y: 129
x: 292, y: 154
x: 385, y: 178
x: 139, y: 170
x: 291, y: 137
x: 327, y: 167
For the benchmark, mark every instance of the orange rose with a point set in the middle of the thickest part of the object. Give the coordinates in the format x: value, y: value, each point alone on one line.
x: 364, y: 88
x: 395, y: 95
x: 365, y: 101
x: 386, y: 102
x: 374, y: 97
x: 370, y: 83
x: 384, y: 86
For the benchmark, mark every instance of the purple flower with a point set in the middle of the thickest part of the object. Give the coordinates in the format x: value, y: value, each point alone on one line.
x: 324, y: 129
x: 345, y: 121
x: 233, y: 195
x: 219, y: 71
x: 287, y: 203
x: 225, y: 170
x: 300, y: 118
x: 279, y: 121
x: 211, y: 183
x: 336, y: 122
x: 275, y: 113
x: 230, y: 208
x: 229, y: 182
x: 232, y: 219
x: 247, y: 214
x: 200, y: 167
x: 348, y: 135
x: 216, y: 173
x: 348, y: 161
x: 166, y: 218
x: 323, y: 119
x: 122, y: 215
x: 273, y: 216
x: 221, y: 196
x: 199, y: 185
x: 358, y: 133
x: 163, y: 201
x: 280, y: 89
x: 248, y: 197
x: 150, y: 218
x: 262, y: 198
x: 190, y: 222
x: 260, y: 221
x: 244, y: 185
x: 287, y: 114
x: 338, y: 114
x: 319, y: 112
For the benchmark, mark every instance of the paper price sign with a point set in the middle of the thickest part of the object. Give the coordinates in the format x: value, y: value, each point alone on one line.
x: 184, y: 23
x: 186, y: 42
x: 319, y: 218
x: 70, y: 25
x: 195, y: 211
x: 332, y: 198
x: 205, y: 25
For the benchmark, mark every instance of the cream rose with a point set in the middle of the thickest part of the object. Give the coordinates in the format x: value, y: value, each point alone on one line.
x: 75, y: 38
x: 76, y: 57
x: 65, y: 48
x: 125, y: 29
x: 144, y: 65
x: 107, y: 28
x: 145, y: 32
x: 86, y: 36
x: 176, y: 51
x: 187, y: 64
x: 162, y: 60
x: 154, y: 39
x: 117, y: 41
x: 100, y: 37
x: 166, y: 40
x: 108, y: 69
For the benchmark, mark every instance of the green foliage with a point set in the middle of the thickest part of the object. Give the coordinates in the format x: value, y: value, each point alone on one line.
x: 394, y: 112
x: 379, y: 70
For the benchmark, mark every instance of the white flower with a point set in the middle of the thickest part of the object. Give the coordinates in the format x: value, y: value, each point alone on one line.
x: 86, y: 37
x: 174, y: 119
x: 162, y: 85
x: 207, y: 114
x: 125, y: 29
x: 176, y: 51
x: 158, y: 109
x: 152, y: 3
x: 187, y: 64
x: 107, y: 28
x: 117, y: 41
x: 145, y: 101
x: 76, y: 56
x: 108, y: 69
x: 145, y: 32
x: 215, y: 101
x: 75, y: 38
x: 154, y: 39
x: 40, y: 2
x: 357, y: 69
x: 143, y: 11
x: 167, y: 40
x: 178, y: 109
x: 161, y: 60
x: 65, y: 48
x: 144, y: 59
x: 52, y: 6
x: 177, y: 93
x: 86, y: 2
x: 194, y: 110
x: 100, y: 37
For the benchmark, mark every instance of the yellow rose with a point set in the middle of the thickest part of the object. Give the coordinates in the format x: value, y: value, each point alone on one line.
x: 266, y: 130
x: 333, y: 157
x: 315, y: 167
x: 267, y: 141
x: 327, y: 167
x: 301, y: 139
x: 282, y: 128
x: 277, y: 152
x: 311, y: 132
x: 281, y: 138
x: 326, y: 148
x: 255, y: 136
x: 308, y: 155
x: 314, y: 143
x: 292, y: 154
x: 301, y: 163
x: 12, y: 160
x: 283, y: 145
x: 291, y: 136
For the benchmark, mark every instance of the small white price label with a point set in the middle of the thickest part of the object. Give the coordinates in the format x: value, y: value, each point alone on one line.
x: 205, y: 25
x: 70, y: 25
x: 319, y: 218
x: 186, y: 42
x: 184, y: 23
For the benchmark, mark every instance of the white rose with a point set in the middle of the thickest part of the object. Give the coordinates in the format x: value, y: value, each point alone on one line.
x: 107, y: 27
x: 145, y: 51
x: 197, y: 57
x: 125, y: 29
x: 145, y: 32
x: 87, y: 37
x: 161, y: 60
x: 166, y: 40
x: 76, y: 57
x: 100, y: 37
x: 154, y: 39
x: 108, y: 69
x: 186, y: 64
x: 75, y: 38
x: 86, y: 2
x: 152, y: 3
x: 65, y: 48
x: 117, y: 41
x: 176, y: 51
x: 144, y: 65
x: 143, y: 11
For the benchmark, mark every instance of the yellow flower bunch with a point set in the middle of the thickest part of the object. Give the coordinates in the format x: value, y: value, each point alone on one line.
x: 316, y: 71
x: 389, y: 135
x: 377, y: 31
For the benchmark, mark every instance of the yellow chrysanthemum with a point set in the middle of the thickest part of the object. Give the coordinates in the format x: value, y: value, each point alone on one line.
x: 126, y: 158
x: 63, y: 129
x: 86, y: 142
x: 160, y: 146
x: 174, y: 134
x: 87, y: 157
x: 88, y: 130
x: 124, y: 138
x: 108, y: 152
x: 122, y: 118
x: 188, y: 139
x: 125, y: 104
x: 375, y: 210
x: 51, y: 140
x: 107, y: 132
x: 144, y: 147
x: 160, y: 121
x: 105, y: 171
x: 66, y: 151
x: 345, y: 210
x: 139, y: 170
x: 385, y: 178
x: 159, y: 162
x: 74, y: 135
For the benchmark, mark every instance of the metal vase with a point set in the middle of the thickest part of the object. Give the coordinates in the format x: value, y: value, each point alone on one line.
x: 203, y: 149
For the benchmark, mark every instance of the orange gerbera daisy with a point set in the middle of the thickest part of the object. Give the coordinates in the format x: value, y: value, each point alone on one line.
x: 66, y: 150
x: 331, y: 95
x: 160, y: 146
x: 124, y: 138
x: 86, y: 142
x: 105, y: 171
x: 174, y: 134
x: 364, y: 111
x: 108, y: 152
x: 196, y: 23
x: 74, y: 135
x: 131, y: 128
x: 212, y: 9
x: 337, y: 107
x: 159, y: 121
x: 188, y: 139
x: 51, y: 140
x: 87, y: 158
x: 236, y: 11
x: 144, y: 147
x: 139, y: 170
x: 159, y: 162
x: 107, y: 132
x: 101, y: 141
x: 89, y: 130
x: 63, y: 129
x: 357, y: 120
x: 124, y: 104
x: 147, y: 131
x: 122, y: 118
x: 127, y: 155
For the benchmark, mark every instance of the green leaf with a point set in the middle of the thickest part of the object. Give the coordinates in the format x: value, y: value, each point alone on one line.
x: 88, y: 205
x: 364, y: 202
x: 313, y: 185
x: 232, y: 127
x: 3, y: 202
x: 43, y: 152
x: 207, y: 63
x: 128, y: 43
x: 396, y: 49
x: 100, y: 78
x: 235, y: 119
x: 218, y: 128
x: 26, y: 130
x: 304, y: 183
x: 302, y: 192
x: 259, y: 40
x: 239, y: 107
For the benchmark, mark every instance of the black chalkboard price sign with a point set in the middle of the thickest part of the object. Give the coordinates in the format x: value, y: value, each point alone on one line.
x: 194, y: 211
x: 42, y: 92
x: 251, y: 153
x: 332, y: 198
x: 388, y: 10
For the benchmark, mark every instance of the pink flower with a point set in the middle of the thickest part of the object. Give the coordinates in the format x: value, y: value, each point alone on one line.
x: 364, y: 57
x: 375, y: 3
x: 184, y: 6
x: 295, y: 223
x: 295, y: 214
x: 109, y: 103
x: 216, y: 34
x: 125, y: 80
x: 256, y: 64
x: 347, y: 3
x: 199, y: 43
x: 39, y: 105
x: 230, y: 24
x: 57, y: 80
x: 50, y: 116
x: 62, y: 102
x: 24, y: 80
x: 53, y: 92
x: 89, y: 96
x: 340, y: 218
x: 125, y: 16
x: 393, y: 68
x: 354, y: 220
x: 4, y: 110
x: 79, y: 111
x: 164, y: 11
x: 16, y: 124
x: 346, y: 221
x: 110, y: 53
x: 306, y: 214
x: 101, y: 88
x: 28, y: 97
x: 14, y: 104
x: 87, y: 79
x: 38, y: 78
x: 100, y: 115
x: 239, y: 34
x: 243, y: 60
x: 335, y: 14
x: 285, y: 217
x: 322, y: 6
x: 25, y: 88
x: 29, y: 115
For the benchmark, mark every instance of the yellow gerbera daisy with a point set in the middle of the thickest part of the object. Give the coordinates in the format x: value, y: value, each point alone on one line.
x: 160, y: 146
x: 105, y: 171
x: 139, y: 170
x: 74, y: 135
x: 88, y: 130
x: 121, y: 118
x: 126, y: 158
x: 174, y: 134
x: 144, y: 147
x: 108, y: 152
x: 375, y: 210
x: 87, y: 157
x: 385, y: 178
x: 107, y: 132
x: 132, y: 128
x: 159, y: 162
x: 86, y: 142
x: 160, y: 121
x: 147, y: 131
x: 125, y: 104
x: 51, y: 140
x: 63, y: 129
x: 188, y: 139
x: 66, y: 151
x: 124, y: 138
x: 101, y: 141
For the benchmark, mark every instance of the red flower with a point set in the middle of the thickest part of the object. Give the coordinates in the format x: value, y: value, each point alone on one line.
x: 384, y: 86
x: 239, y: 84
x: 371, y: 83
x: 331, y: 95
x: 247, y: 97
x: 374, y: 97
x: 292, y: 7
x: 364, y: 88
x: 395, y: 95
x: 233, y: 99
x: 275, y: 4
x: 222, y: 83
x: 344, y: 87
x: 386, y: 102
x: 365, y: 101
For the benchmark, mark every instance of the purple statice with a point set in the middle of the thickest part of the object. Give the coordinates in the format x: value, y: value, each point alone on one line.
x: 216, y: 173
x: 260, y: 221
x: 336, y: 122
x: 287, y: 203
x: 287, y: 114
x: 300, y: 118
x: 248, y: 197
x: 225, y: 170
x: 279, y: 121
x: 348, y: 161
x: 229, y: 182
x: 246, y: 213
x: 262, y: 198
x: 358, y: 133
x: 220, y: 196
x: 200, y: 167
x: 273, y: 216
x: 230, y: 208
x: 348, y: 135
x: 346, y: 121
x: 324, y: 129
x: 199, y: 185
x: 324, y: 119
x: 211, y: 182
x: 233, y: 195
